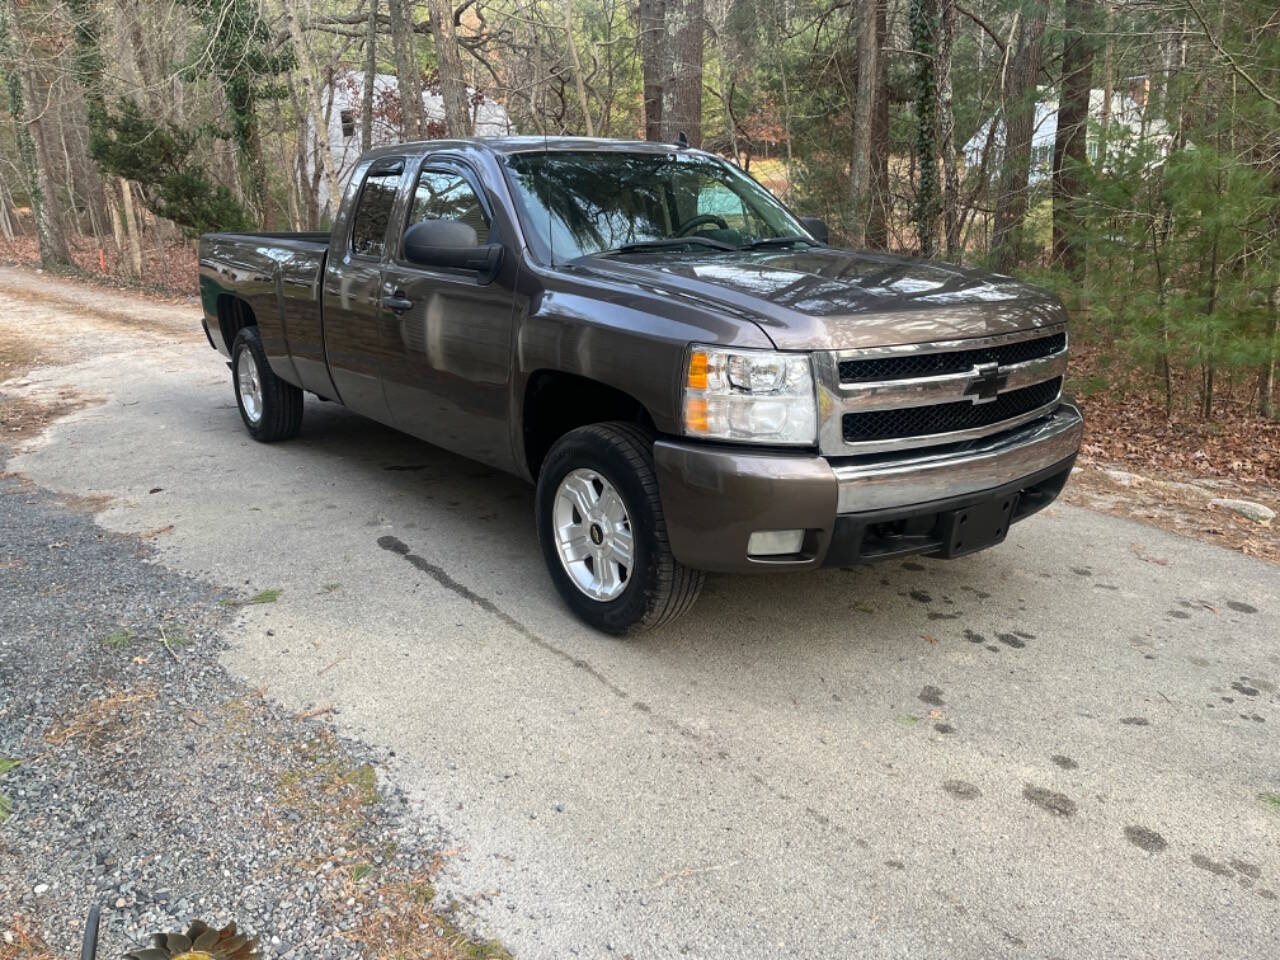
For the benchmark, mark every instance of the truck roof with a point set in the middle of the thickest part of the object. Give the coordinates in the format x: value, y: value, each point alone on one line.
x: 531, y: 144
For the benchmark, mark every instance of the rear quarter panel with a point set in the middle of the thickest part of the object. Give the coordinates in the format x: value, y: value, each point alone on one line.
x: 288, y: 314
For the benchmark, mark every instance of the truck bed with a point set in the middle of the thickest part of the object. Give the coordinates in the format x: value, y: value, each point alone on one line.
x: 279, y: 276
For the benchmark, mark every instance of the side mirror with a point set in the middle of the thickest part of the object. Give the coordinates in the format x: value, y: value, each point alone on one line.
x: 816, y: 227
x: 450, y: 245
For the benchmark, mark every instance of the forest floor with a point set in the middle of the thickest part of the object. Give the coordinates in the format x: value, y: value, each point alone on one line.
x: 1136, y: 461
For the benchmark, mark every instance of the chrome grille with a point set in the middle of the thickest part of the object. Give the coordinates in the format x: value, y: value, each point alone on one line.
x: 947, y: 417
x: 921, y: 395
x: 957, y: 361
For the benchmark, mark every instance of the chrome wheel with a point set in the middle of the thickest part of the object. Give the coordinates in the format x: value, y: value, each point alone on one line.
x: 593, y: 534
x: 249, y: 383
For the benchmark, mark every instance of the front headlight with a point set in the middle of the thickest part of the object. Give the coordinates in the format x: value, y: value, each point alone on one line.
x: 754, y: 396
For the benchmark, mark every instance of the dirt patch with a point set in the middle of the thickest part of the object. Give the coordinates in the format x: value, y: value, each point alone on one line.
x: 22, y: 417
x: 1180, y: 506
x: 25, y: 416
x: 18, y: 355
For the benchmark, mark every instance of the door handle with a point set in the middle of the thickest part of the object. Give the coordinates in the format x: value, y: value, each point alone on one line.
x: 397, y: 302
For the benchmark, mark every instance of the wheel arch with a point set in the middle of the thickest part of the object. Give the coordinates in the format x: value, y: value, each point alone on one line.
x: 234, y: 314
x: 556, y: 402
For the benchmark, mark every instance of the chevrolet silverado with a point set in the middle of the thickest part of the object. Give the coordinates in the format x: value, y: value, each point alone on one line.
x: 691, y: 377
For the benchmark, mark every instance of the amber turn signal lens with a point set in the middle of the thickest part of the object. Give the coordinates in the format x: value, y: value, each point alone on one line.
x: 698, y: 371
x: 695, y: 413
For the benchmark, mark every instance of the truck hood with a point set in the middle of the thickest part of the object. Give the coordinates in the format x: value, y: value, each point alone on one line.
x: 826, y: 299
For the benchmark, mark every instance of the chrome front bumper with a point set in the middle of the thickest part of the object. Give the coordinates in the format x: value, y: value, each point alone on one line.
x: 714, y: 496
x: 898, y: 480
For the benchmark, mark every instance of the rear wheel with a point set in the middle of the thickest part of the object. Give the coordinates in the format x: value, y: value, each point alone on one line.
x: 270, y: 407
x: 602, y: 531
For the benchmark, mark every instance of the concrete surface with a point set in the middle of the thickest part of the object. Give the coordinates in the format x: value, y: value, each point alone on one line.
x: 1060, y: 747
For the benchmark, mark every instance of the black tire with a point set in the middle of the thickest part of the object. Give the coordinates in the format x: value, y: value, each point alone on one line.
x: 280, y: 417
x: 658, y: 587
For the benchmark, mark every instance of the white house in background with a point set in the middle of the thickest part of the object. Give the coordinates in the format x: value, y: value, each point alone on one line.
x: 1127, y: 123
x: 489, y: 119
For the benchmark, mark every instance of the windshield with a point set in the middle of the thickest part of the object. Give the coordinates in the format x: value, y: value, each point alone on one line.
x: 594, y: 202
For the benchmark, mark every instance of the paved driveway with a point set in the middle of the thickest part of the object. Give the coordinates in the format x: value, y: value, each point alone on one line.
x: 1061, y: 747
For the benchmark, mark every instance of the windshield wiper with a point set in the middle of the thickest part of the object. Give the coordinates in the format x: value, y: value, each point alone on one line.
x: 670, y: 243
x: 767, y: 242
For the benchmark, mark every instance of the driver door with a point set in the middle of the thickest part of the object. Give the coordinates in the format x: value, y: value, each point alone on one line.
x: 448, y: 348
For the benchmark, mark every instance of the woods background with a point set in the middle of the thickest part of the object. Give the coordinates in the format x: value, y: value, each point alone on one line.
x: 1125, y: 153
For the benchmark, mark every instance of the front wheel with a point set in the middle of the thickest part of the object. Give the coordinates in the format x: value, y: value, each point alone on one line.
x: 270, y: 407
x: 603, y: 534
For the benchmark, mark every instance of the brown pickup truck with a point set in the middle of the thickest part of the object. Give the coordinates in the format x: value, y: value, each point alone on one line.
x: 692, y: 377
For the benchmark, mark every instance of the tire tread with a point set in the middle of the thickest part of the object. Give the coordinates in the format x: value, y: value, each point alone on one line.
x: 281, y: 400
x: 675, y: 587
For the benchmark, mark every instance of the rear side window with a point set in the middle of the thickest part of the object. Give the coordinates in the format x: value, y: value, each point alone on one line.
x: 446, y: 195
x: 373, y: 212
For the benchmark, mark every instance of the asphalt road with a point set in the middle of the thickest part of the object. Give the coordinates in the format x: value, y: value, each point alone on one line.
x: 1058, y: 748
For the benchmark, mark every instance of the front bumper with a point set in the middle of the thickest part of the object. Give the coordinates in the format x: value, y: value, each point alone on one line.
x: 853, y: 510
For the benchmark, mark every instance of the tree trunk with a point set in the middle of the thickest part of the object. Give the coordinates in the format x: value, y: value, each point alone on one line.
x: 682, y: 88
x: 867, y: 95
x: 453, y: 81
x: 1069, y: 155
x: 370, y: 78
x: 1267, y: 382
x: 1108, y: 85
x: 6, y: 222
x: 947, y: 134
x: 131, y: 229
x: 324, y: 156
x: 53, y: 244
x: 1019, y: 128
x: 244, y: 124
x: 408, y: 75
x: 881, y: 202
x: 924, y: 45
x: 652, y: 44
x: 577, y: 68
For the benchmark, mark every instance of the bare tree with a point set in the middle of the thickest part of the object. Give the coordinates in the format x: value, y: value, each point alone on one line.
x: 453, y: 82
x: 947, y: 132
x: 31, y: 152
x: 671, y: 47
x: 1069, y: 154
x: 652, y: 39
x: 1019, y: 129
x: 408, y: 76
x: 370, y: 77
x: 324, y: 158
x: 867, y: 94
x: 1267, y: 382
x: 881, y: 201
x: 682, y: 90
x: 578, y: 80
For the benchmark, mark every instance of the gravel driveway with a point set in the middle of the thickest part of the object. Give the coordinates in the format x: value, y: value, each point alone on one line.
x: 1064, y: 747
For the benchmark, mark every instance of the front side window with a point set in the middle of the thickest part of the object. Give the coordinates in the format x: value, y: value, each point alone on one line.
x: 373, y: 212
x: 583, y: 203
x: 446, y: 195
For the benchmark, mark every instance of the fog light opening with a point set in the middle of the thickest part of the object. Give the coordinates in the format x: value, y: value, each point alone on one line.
x: 775, y: 543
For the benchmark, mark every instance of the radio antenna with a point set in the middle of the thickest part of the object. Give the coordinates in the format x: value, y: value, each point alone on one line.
x: 546, y: 163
